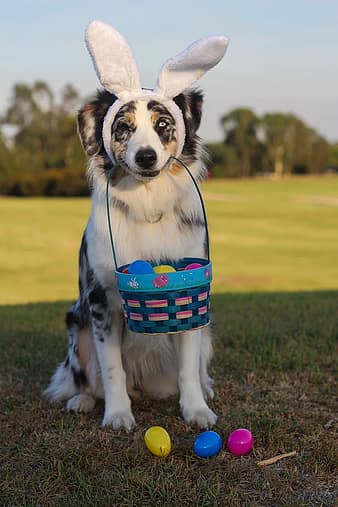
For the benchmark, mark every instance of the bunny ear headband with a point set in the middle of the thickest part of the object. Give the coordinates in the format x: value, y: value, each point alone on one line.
x: 117, y: 71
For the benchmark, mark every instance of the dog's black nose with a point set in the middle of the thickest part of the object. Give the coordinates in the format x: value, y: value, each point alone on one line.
x: 145, y: 158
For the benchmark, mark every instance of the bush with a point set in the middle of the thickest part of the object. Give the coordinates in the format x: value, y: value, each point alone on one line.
x: 56, y: 182
x: 223, y: 161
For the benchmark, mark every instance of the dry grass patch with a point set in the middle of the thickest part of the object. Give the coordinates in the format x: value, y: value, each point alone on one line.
x: 274, y: 367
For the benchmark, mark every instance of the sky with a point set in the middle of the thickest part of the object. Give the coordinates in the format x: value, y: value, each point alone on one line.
x: 283, y: 55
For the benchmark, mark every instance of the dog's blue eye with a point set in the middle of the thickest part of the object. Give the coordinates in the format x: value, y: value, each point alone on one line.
x: 162, y: 123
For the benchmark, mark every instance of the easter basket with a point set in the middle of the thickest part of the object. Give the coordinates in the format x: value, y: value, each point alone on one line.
x: 170, y: 302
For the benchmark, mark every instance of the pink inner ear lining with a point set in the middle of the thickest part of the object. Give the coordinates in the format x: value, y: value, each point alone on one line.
x: 145, y: 95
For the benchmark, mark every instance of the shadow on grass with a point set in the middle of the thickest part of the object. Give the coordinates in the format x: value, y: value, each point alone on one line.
x: 274, y: 369
x: 254, y: 332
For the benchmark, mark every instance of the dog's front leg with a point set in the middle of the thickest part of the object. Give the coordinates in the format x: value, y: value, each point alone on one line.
x: 107, y: 326
x: 193, y: 405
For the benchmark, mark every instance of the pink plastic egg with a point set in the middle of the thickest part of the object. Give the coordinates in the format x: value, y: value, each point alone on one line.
x: 240, y: 442
x: 193, y: 265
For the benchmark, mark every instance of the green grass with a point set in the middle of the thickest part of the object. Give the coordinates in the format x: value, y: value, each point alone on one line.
x: 274, y: 235
x: 265, y: 236
x: 39, y: 243
x: 275, y: 293
x: 275, y: 373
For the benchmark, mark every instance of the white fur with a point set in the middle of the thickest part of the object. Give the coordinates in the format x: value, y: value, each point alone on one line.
x: 122, y: 362
x: 159, y: 364
x: 143, y: 137
x: 139, y: 236
x: 125, y: 362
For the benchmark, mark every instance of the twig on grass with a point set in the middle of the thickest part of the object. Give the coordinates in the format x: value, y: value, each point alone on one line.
x: 270, y: 461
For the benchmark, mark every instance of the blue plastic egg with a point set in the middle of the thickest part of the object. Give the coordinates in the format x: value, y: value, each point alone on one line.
x: 140, y: 267
x: 207, y: 444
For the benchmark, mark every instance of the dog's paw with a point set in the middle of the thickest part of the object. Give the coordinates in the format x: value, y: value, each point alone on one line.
x: 203, y: 417
x: 119, y: 420
x: 81, y: 403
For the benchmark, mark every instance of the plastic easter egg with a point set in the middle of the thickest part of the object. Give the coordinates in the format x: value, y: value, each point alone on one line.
x: 207, y: 444
x: 240, y: 442
x: 193, y: 265
x: 164, y: 268
x: 158, y: 441
x: 140, y: 267
x: 125, y: 270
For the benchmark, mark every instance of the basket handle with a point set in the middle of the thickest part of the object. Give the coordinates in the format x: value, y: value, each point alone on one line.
x: 199, y: 195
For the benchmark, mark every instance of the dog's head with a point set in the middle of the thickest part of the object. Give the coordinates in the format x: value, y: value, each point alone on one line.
x: 143, y: 133
x: 140, y: 129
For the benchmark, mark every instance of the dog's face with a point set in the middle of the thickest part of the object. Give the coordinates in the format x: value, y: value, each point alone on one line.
x: 143, y: 134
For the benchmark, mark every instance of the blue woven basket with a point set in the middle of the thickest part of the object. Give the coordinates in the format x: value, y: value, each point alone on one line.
x: 166, y: 302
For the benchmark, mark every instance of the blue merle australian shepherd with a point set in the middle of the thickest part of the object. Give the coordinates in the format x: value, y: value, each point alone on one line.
x: 156, y: 215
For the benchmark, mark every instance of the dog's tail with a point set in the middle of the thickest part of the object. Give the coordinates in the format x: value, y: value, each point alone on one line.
x: 72, y: 376
x: 63, y: 383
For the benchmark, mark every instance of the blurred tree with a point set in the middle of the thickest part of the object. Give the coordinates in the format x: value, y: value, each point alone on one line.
x: 333, y: 156
x: 8, y: 163
x: 240, y: 128
x: 45, y: 132
x: 223, y: 161
x: 40, y: 152
x: 318, y: 156
x: 291, y: 146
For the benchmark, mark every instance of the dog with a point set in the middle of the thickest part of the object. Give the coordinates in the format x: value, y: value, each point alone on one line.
x: 156, y: 215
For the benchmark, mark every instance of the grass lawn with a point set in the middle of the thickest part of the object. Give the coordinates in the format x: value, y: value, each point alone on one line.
x: 265, y: 236
x: 275, y: 297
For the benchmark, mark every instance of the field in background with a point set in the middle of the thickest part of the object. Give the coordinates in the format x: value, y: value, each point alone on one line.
x: 265, y: 236
x: 274, y: 235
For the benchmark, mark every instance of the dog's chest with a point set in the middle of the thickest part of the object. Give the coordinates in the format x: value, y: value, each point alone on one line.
x: 161, y: 237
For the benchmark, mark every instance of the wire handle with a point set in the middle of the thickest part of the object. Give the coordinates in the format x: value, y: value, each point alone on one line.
x: 201, y: 201
x: 199, y: 195
x: 108, y: 216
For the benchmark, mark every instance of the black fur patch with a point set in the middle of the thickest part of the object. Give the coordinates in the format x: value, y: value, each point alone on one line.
x: 79, y: 376
x: 90, y: 122
x: 89, y: 277
x: 73, y: 318
x: 123, y: 127
x: 191, y: 106
x: 129, y: 107
x: 117, y: 203
x: 188, y: 220
x: 98, y: 297
x: 97, y: 315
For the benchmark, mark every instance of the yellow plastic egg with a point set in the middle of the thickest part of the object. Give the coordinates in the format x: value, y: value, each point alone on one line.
x: 158, y: 441
x: 164, y: 268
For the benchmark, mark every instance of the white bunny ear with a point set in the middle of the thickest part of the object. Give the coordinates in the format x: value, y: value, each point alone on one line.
x: 112, y: 58
x: 181, y: 71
